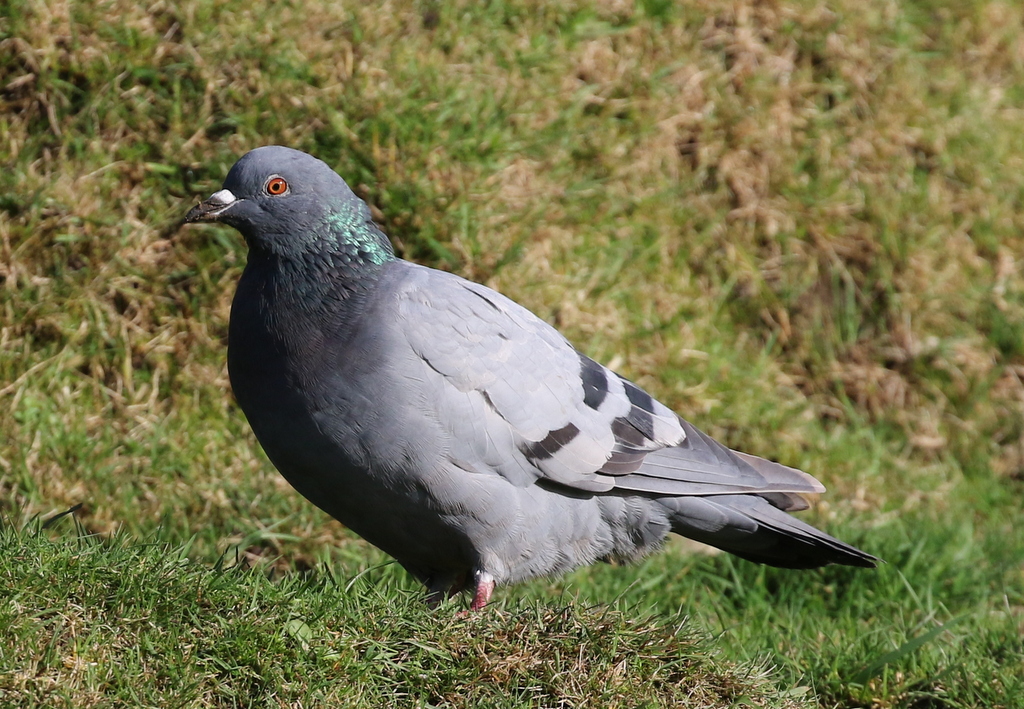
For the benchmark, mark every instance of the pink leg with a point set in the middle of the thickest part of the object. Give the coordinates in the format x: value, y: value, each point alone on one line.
x: 484, y: 589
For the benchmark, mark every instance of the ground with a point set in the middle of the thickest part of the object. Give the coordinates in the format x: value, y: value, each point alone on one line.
x: 796, y: 223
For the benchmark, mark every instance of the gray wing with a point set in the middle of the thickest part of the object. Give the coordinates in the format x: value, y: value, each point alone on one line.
x: 518, y: 399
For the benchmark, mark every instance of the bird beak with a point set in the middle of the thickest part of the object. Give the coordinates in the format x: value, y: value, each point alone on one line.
x: 208, y: 211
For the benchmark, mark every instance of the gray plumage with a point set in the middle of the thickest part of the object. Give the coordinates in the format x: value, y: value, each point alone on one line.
x: 453, y: 428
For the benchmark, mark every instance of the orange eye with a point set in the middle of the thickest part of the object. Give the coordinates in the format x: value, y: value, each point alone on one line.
x: 277, y: 186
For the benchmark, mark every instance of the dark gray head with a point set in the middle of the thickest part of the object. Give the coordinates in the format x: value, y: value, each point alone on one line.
x: 291, y: 204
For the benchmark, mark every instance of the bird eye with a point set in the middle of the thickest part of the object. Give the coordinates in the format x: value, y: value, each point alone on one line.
x: 277, y: 186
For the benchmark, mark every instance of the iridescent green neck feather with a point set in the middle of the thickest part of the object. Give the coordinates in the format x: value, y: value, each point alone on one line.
x: 349, y: 230
x: 332, y: 261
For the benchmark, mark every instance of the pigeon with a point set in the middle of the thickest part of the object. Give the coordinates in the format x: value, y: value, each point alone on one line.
x: 451, y: 427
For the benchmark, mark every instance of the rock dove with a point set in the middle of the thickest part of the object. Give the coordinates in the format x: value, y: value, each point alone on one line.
x: 453, y: 428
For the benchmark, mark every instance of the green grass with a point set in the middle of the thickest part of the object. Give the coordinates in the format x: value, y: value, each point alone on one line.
x: 797, y: 224
x: 124, y: 623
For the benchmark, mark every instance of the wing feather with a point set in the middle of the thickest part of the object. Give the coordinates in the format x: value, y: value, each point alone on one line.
x: 528, y: 406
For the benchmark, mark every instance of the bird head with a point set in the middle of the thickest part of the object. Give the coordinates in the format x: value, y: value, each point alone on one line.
x: 289, y: 203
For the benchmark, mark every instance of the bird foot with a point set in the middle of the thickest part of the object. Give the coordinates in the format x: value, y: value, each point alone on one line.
x: 434, y: 598
x: 484, y: 589
x: 439, y: 589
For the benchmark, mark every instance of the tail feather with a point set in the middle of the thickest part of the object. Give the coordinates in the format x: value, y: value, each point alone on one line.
x: 786, y: 501
x: 752, y: 528
x: 777, y: 473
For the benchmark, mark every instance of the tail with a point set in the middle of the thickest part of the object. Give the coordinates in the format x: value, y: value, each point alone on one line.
x: 750, y: 527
